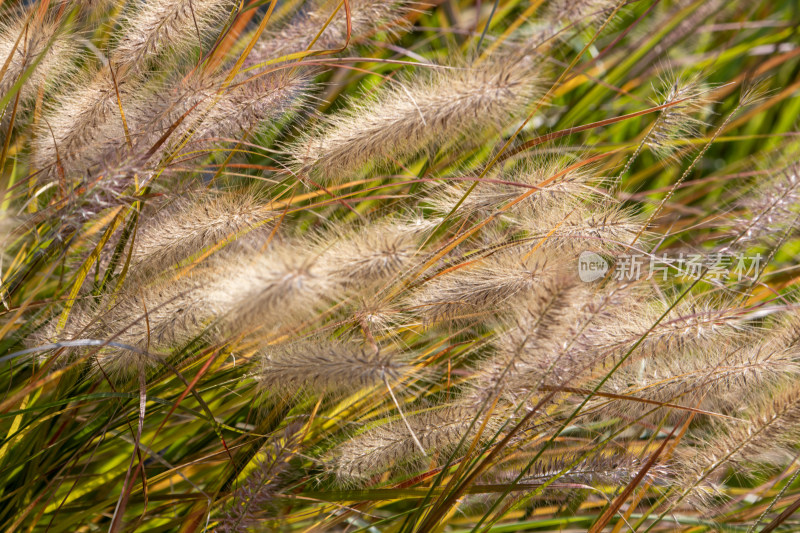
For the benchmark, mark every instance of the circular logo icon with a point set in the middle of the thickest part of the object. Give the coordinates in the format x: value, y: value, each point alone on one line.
x: 591, y: 266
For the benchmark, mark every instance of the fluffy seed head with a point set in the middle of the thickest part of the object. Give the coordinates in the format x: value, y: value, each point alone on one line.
x: 200, y: 113
x: 409, y: 117
x: 380, y: 449
x: 767, y: 436
x: 190, y: 226
x: 365, y: 16
x: 280, y: 287
x: 610, y: 466
x: 588, y: 331
x: 687, y: 99
x: 24, y: 41
x: 81, y: 123
x: 327, y: 366
x: 771, y: 208
x: 578, y: 11
x: 599, y: 226
x: 483, y: 287
x: 541, y: 314
x: 160, y: 25
x: 721, y: 374
x: 140, y: 325
x: 552, y: 181
x: 370, y: 255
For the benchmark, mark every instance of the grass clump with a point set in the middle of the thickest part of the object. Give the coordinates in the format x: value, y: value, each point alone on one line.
x: 381, y: 265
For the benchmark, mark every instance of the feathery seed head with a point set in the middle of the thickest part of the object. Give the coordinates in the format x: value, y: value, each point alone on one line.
x: 539, y: 316
x: 280, y: 287
x: 771, y: 209
x: 588, y: 329
x: 767, y: 437
x: 687, y: 100
x: 382, y: 448
x: 613, y: 467
x: 715, y: 378
x: 482, y: 287
x: 202, y: 112
x: 407, y: 118
x: 370, y: 255
x: 160, y: 25
x: 32, y: 45
x: 82, y: 123
x: 578, y: 11
x: 139, y: 325
x: 580, y: 226
x: 551, y: 179
x: 366, y: 16
x: 326, y: 366
x: 192, y: 225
